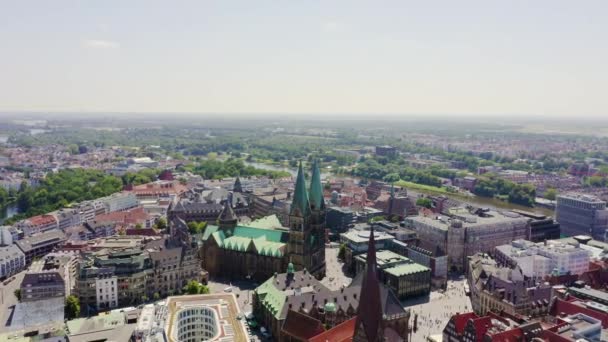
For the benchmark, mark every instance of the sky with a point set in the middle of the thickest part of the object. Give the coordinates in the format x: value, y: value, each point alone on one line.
x: 321, y: 57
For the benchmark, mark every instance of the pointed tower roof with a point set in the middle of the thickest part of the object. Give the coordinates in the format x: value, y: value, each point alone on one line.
x: 316, y: 188
x: 369, y: 312
x: 237, y: 185
x: 227, y: 214
x: 300, y: 204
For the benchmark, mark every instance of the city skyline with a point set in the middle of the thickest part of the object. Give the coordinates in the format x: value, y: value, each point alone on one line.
x: 337, y: 58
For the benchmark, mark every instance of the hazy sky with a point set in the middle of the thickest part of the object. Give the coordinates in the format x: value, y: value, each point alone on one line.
x: 477, y: 57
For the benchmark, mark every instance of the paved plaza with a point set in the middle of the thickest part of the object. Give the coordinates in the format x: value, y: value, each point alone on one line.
x: 334, y: 275
x: 434, y: 314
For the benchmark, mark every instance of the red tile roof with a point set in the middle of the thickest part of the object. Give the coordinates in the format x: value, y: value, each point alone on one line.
x: 301, y: 326
x: 482, y: 325
x: 570, y: 308
x: 159, y: 188
x: 460, y: 321
x: 133, y: 216
x: 42, y: 220
x: 342, y: 332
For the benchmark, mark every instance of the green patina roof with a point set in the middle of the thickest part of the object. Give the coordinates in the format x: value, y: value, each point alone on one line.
x: 300, y: 201
x: 316, y: 189
x: 406, y: 269
x: 266, y: 241
x: 271, y: 298
x: 208, y: 231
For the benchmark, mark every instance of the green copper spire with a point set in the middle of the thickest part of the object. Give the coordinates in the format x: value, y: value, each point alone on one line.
x: 300, y: 205
x: 316, y: 189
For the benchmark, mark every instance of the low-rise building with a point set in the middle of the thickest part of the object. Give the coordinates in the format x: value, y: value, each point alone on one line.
x: 42, y: 285
x: 541, y: 227
x: 542, y: 259
x: 433, y: 259
x: 120, y: 201
x: 37, y: 224
x: 339, y: 219
x: 466, y: 327
x: 403, y: 276
x: 67, y: 218
x: 218, y: 314
x: 386, y: 151
x: 464, y: 233
x: 12, y: 261
x: 38, y: 245
x: 356, y: 243
x: 110, y: 326
x: 495, y: 288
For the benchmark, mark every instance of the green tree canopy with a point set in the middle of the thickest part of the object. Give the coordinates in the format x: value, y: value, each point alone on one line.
x: 72, y: 307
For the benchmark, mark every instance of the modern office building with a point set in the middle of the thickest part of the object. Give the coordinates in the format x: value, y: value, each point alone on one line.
x: 541, y: 227
x: 403, y: 276
x: 339, y: 219
x: 356, y: 242
x: 541, y: 259
x: 42, y: 285
x: 580, y: 214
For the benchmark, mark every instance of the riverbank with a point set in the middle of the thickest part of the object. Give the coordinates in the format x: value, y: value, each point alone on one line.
x: 415, y: 188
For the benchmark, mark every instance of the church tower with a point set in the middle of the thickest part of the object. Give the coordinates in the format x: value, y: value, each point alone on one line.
x: 307, y: 225
x: 369, y: 326
x: 227, y: 220
x: 237, y: 185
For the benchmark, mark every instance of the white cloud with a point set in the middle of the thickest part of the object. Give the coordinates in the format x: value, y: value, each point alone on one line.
x: 100, y: 44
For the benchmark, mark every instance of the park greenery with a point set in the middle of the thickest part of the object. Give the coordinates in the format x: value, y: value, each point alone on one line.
x: 218, y: 151
x: 197, y: 227
x: 72, y: 307
x: 194, y: 287
x: 66, y: 187
x: 232, y: 167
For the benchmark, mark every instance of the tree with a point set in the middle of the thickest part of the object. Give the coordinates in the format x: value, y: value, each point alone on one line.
x: 72, y: 307
x: 424, y: 202
x: 551, y: 194
x: 138, y: 226
x: 342, y: 252
x: 197, y: 227
x: 391, y: 178
x: 194, y: 287
x: 17, y: 293
x: 156, y: 296
x: 161, y: 223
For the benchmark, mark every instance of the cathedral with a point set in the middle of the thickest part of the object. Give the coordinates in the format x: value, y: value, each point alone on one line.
x: 264, y: 247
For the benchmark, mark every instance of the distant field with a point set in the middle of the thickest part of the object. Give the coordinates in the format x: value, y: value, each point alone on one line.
x: 597, y: 131
x: 422, y: 187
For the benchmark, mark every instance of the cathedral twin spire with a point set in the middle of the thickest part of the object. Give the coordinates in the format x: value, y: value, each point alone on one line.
x: 306, y: 201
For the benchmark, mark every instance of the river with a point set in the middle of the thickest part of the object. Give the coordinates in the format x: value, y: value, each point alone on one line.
x: 476, y: 200
x: 292, y: 171
x: 8, y: 212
